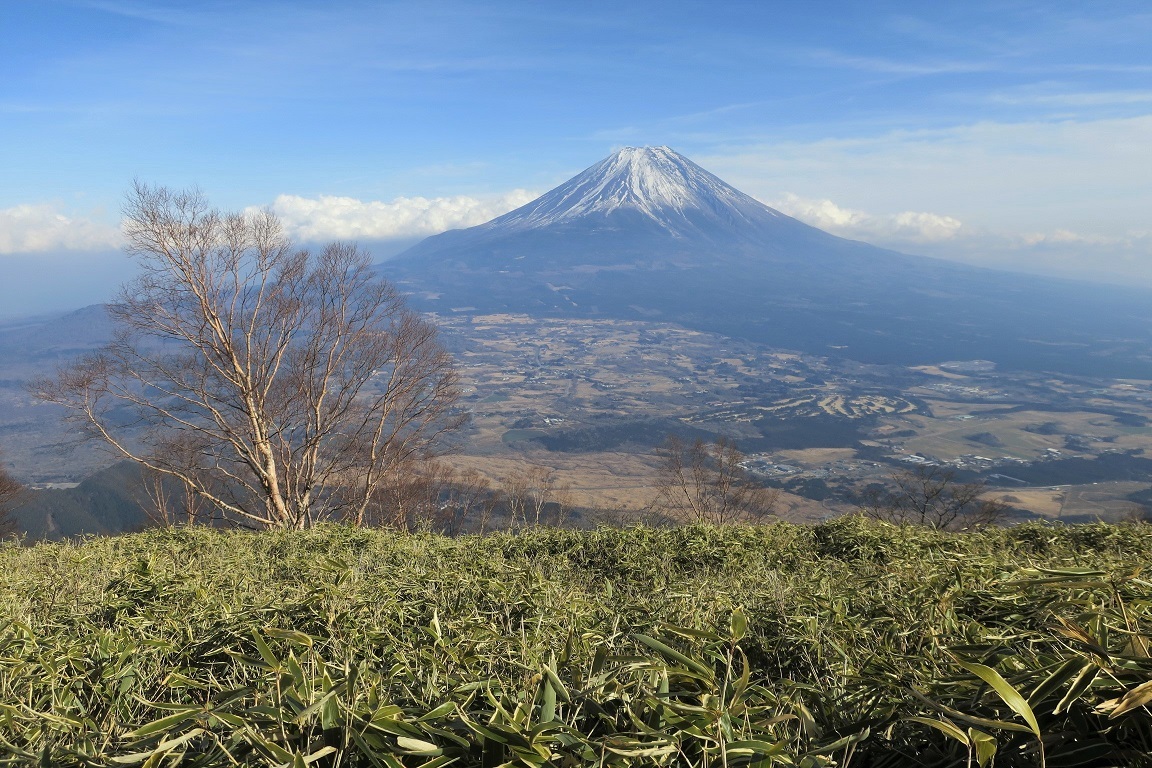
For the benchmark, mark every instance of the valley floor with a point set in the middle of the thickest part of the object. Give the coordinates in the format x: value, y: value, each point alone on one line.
x: 593, y: 399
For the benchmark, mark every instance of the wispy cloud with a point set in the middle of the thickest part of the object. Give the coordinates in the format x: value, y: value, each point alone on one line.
x: 889, y: 66
x: 1075, y: 99
x: 144, y: 11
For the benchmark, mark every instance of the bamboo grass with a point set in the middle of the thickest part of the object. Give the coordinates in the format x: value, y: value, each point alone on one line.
x: 850, y: 643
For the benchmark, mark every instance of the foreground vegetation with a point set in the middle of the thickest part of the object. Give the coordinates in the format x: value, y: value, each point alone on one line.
x: 850, y: 643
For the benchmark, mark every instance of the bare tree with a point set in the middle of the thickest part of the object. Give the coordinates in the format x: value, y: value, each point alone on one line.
x: 541, y: 484
x: 705, y: 482
x: 297, y: 383
x: 12, y: 493
x: 931, y: 496
x: 532, y: 495
x: 413, y: 496
x: 469, y: 495
x: 563, y: 501
x: 167, y: 501
x: 1135, y: 513
x: 436, y: 495
x: 516, y: 490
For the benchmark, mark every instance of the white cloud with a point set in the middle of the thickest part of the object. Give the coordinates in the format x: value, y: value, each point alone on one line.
x: 42, y: 227
x: 1064, y: 237
x: 1022, y: 177
x: 1124, y: 258
x: 35, y: 228
x: 896, y: 228
x: 346, y: 218
x: 1065, y: 197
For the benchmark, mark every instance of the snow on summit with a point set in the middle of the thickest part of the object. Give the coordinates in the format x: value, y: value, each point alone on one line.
x: 656, y: 182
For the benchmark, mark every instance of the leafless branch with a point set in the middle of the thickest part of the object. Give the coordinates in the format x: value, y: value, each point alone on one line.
x: 706, y: 482
x: 931, y: 496
x: 12, y: 494
x: 297, y: 383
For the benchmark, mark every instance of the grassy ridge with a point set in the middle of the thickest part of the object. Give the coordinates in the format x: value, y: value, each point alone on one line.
x: 849, y: 642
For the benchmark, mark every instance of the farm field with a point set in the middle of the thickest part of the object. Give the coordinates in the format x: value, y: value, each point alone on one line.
x: 615, y: 483
x: 843, y: 644
x: 593, y: 399
x: 1023, y: 434
x: 1073, y: 503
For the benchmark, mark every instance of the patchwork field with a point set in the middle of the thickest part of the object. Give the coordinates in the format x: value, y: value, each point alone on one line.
x: 594, y: 399
x: 1074, y: 503
x: 601, y: 395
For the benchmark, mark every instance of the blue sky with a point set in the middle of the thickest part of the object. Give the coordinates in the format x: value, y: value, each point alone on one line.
x: 1014, y: 134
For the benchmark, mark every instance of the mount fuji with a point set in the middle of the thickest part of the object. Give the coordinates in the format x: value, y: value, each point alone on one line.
x: 648, y: 234
x: 645, y: 202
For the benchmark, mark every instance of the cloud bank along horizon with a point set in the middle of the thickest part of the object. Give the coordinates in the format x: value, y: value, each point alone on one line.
x: 28, y: 230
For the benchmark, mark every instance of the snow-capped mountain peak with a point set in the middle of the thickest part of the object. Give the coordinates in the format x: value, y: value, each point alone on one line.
x: 656, y: 182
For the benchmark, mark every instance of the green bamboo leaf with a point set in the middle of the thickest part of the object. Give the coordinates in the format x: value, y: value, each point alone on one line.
x: 387, y: 712
x: 841, y: 743
x: 307, y: 712
x: 277, y: 752
x: 165, y: 723
x: 374, y: 751
x: 446, y: 735
x: 946, y: 727
x: 807, y: 722
x: 443, y: 710
x: 293, y: 636
x: 559, y: 687
x: 161, y: 750
x: 956, y: 714
x: 330, y: 712
x: 265, y: 651
x: 319, y: 754
x: 985, y: 746
x: 738, y: 624
x: 639, y: 749
x: 297, y: 673
x: 548, y: 703
x: 418, y: 746
x: 227, y: 718
x: 439, y: 762
x: 1081, y: 684
x: 599, y: 658
x: 1063, y: 674
x: 755, y: 747
x: 1072, y: 571
x: 671, y: 654
x: 1006, y: 692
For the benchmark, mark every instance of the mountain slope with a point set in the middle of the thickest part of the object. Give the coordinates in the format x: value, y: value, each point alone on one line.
x: 646, y: 233
x: 630, y: 202
x: 666, y: 188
